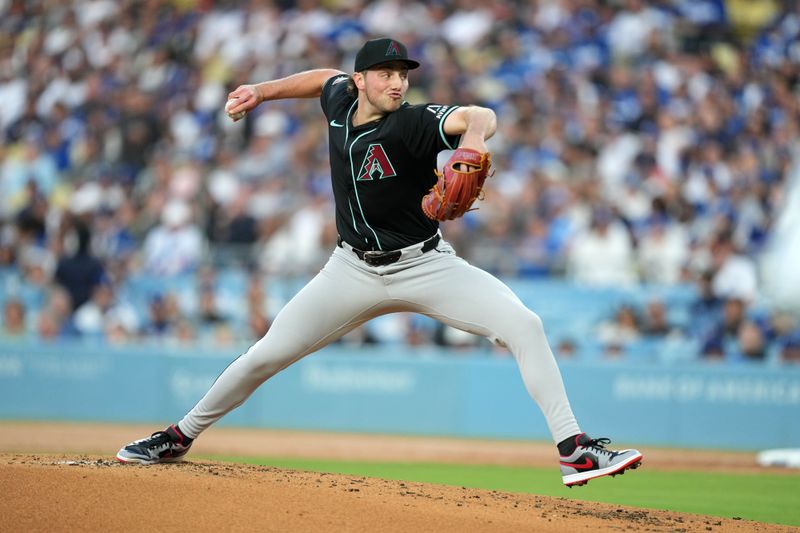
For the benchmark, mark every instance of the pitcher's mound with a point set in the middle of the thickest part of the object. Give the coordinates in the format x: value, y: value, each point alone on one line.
x: 85, y: 493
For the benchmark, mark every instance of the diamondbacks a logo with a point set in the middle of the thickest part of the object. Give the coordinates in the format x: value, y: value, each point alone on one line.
x: 393, y: 50
x: 438, y: 110
x: 376, y: 164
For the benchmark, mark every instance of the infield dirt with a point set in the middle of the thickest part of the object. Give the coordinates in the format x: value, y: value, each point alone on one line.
x: 54, y: 478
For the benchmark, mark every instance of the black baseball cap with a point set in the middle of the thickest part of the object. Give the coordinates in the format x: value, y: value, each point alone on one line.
x: 379, y: 51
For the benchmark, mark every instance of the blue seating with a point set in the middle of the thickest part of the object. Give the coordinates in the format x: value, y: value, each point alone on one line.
x: 569, y: 312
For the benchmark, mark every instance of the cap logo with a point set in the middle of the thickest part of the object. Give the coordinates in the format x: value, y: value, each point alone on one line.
x: 379, y: 51
x: 393, y: 50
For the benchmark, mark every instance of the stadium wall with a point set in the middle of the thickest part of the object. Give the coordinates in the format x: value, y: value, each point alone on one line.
x: 386, y: 390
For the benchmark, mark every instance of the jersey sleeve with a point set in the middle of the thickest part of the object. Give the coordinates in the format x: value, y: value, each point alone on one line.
x: 334, y: 94
x: 423, y: 128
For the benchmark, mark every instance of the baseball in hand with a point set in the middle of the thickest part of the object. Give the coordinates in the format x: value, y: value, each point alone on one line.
x: 235, y: 116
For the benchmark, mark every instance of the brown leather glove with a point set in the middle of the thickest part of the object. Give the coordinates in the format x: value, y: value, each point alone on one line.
x: 458, y: 186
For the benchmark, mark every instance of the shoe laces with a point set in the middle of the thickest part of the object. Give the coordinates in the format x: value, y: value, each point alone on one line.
x: 158, y: 440
x: 599, y: 445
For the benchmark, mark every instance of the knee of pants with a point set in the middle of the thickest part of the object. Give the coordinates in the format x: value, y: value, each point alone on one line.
x: 535, y: 323
x: 262, y: 363
x: 528, y: 324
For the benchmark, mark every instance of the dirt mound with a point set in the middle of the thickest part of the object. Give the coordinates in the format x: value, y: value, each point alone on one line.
x: 92, y: 493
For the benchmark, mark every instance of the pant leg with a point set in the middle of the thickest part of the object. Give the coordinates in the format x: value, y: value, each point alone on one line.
x: 338, y: 299
x: 447, y: 288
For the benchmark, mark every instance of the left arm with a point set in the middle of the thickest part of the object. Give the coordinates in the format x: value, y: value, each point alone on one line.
x: 474, y: 124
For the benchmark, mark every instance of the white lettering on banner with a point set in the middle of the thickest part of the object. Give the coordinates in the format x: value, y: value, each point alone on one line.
x: 688, y: 388
x: 10, y: 367
x: 754, y: 391
x: 642, y: 387
x: 348, y: 380
x: 710, y: 389
x: 70, y: 368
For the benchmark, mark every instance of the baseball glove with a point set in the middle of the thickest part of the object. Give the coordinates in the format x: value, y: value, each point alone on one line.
x: 459, y: 185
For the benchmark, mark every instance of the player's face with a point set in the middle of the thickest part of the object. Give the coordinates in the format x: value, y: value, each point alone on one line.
x: 386, y: 85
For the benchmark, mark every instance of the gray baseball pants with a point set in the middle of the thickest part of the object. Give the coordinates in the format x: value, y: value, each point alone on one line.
x: 347, y: 293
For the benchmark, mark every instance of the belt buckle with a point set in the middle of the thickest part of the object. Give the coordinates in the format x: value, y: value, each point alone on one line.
x: 375, y: 258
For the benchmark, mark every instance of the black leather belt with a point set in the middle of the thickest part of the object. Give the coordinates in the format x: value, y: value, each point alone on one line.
x: 382, y: 258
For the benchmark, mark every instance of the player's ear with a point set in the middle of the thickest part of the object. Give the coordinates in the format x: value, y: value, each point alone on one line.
x: 359, y: 80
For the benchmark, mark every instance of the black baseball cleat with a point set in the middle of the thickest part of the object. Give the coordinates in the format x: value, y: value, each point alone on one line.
x: 591, y: 459
x: 165, y: 446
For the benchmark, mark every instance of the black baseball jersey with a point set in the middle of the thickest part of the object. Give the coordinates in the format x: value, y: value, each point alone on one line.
x: 382, y: 169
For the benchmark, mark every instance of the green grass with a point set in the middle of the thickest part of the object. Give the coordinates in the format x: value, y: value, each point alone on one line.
x: 763, y: 497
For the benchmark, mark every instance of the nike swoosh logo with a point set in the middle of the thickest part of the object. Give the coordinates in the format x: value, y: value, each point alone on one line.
x: 336, y: 124
x: 585, y: 465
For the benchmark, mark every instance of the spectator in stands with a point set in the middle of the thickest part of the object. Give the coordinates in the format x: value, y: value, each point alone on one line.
x: 257, y: 324
x: 32, y: 214
x: 139, y: 128
x: 116, y: 333
x: 733, y: 317
x: 451, y: 337
x: 734, y: 274
x: 208, y: 312
x: 712, y: 350
x: 360, y: 336
x: 705, y: 312
x: 261, y: 308
x: 234, y: 229
x: 183, y: 333
x: 176, y: 245
x: 662, y: 251
x: 790, y: 349
x: 33, y: 255
x: 81, y: 272
x: 389, y: 329
x: 752, y: 343
x: 48, y: 326
x: 622, y: 329
x: 602, y: 254
x: 736, y: 337
x: 160, y: 321
x: 112, y: 237
x: 420, y: 330
x: 54, y: 320
x: 23, y: 170
x: 212, y: 322
x: 14, y: 326
x: 566, y: 348
x: 102, y: 313
x: 655, y: 321
x: 298, y: 246
x: 8, y: 241
x: 633, y: 26
x: 534, y: 252
x: 613, y: 351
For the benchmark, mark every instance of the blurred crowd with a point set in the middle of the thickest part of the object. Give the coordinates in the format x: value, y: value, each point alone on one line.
x: 639, y: 142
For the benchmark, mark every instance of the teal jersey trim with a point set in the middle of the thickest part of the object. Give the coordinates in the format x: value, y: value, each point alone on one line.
x: 355, y: 187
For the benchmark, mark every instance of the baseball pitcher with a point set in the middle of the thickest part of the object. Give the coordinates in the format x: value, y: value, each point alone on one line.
x: 391, y: 256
